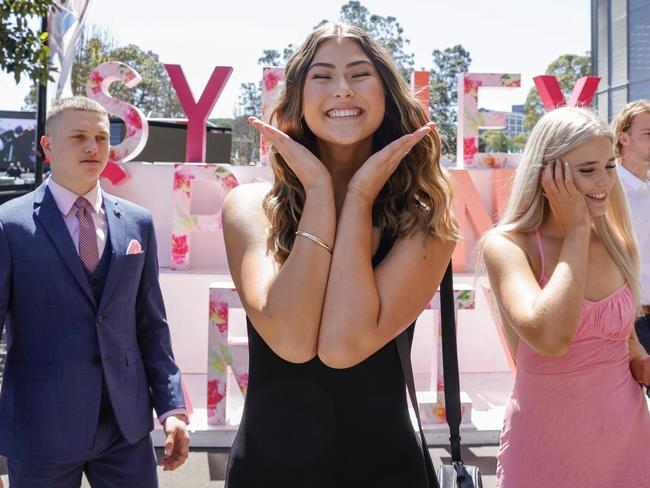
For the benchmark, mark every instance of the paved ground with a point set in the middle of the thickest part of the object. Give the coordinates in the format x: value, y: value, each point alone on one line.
x: 206, y: 468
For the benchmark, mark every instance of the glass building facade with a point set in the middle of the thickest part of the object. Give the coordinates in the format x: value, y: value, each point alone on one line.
x: 620, y: 52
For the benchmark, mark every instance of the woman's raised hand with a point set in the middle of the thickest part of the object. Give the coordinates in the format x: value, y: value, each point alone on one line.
x: 307, y: 167
x: 567, y: 203
x: 369, y: 179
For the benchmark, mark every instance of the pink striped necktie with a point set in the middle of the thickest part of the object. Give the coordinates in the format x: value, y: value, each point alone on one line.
x: 88, y: 250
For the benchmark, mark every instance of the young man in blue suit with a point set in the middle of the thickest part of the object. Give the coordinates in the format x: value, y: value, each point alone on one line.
x: 89, y: 351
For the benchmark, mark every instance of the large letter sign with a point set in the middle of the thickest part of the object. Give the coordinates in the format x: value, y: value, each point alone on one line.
x: 197, y: 113
x: 137, y: 129
x: 421, y: 89
x: 217, y: 180
x: 470, y: 120
x: 552, y: 97
x: 272, y: 84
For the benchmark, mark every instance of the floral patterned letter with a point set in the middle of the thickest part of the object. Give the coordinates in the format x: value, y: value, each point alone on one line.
x: 137, y: 129
x: 470, y: 120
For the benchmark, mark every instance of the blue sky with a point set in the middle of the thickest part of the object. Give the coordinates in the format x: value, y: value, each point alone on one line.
x: 509, y: 36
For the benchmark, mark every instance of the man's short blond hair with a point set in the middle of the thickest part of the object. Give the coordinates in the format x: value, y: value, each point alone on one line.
x: 79, y: 103
x: 623, y: 121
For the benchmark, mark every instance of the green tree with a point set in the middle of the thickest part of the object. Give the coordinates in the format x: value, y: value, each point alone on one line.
x: 494, y: 141
x: 517, y: 143
x: 448, y: 64
x: 273, y: 57
x: 498, y: 141
x: 22, y: 48
x: 568, y: 68
x: 245, y: 138
x: 154, y: 95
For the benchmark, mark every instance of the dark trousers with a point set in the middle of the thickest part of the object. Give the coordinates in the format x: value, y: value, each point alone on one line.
x: 112, y: 463
x: 642, y: 326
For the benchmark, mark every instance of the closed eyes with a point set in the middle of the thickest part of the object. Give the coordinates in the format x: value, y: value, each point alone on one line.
x: 609, y: 167
x: 322, y: 76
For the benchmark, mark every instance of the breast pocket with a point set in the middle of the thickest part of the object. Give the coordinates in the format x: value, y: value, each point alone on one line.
x: 132, y: 265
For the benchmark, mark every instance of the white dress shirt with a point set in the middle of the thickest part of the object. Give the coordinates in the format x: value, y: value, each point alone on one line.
x: 638, y: 197
x: 65, y: 199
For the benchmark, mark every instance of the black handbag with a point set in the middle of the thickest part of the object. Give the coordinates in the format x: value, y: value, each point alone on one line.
x: 456, y: 474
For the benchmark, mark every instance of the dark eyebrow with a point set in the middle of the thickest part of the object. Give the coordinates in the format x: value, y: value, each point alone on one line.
x: 331, y: 66
x: 357, y: 63
x: 591, y: 163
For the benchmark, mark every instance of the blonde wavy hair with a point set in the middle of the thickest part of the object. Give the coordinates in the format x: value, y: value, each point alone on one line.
x: 557, y: 133
x: 623, y: 121
x: 417, y: 196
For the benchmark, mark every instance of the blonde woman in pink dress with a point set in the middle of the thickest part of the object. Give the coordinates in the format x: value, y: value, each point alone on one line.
x: 563, y: 266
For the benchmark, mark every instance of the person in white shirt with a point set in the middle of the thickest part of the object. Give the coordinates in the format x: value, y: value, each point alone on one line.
x: 631, y: 129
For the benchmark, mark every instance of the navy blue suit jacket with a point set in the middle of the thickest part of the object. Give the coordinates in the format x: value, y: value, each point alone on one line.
x: 56, y: 333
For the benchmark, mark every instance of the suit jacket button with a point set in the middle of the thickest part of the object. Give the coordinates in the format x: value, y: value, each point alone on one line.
x: 100, y: 319
x: 97, y: 361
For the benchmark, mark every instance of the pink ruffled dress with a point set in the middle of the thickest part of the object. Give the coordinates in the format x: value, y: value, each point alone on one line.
x: 580, y: 420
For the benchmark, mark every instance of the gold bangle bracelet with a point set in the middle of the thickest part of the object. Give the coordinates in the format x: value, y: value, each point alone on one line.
x: 315, y: 239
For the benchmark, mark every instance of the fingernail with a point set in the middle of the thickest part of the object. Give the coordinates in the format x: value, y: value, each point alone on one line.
x: 167, y: 452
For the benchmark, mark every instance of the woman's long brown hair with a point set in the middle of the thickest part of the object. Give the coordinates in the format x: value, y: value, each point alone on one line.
x: 417, y: 196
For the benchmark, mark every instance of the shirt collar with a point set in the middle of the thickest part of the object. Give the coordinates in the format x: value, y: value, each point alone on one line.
x: 65, y: 198
x: 630, y: 180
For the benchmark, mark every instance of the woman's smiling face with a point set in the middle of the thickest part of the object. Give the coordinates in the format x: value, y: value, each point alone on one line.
x: 343, y: 94
x: 593, y: 169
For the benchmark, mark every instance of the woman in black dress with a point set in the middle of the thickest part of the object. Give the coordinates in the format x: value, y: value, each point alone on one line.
x: 333, y: 261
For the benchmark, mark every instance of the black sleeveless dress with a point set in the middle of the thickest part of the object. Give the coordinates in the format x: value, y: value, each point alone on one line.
x: 310, y: 426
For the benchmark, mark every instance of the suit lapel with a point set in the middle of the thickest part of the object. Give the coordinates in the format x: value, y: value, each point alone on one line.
x: 117, y: 232
x: 49, y: 215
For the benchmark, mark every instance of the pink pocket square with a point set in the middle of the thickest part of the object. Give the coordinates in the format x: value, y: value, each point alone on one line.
x: 134, y: 247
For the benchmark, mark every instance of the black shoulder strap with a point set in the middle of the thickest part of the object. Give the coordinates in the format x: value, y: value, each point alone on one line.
x: 450, y: 363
